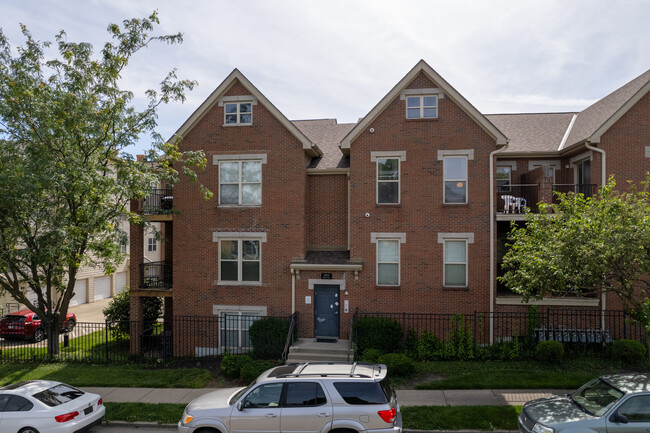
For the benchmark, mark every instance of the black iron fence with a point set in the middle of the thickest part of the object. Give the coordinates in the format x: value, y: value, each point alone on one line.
x: 160, y: 201
x: 571, y: 327
x: 119, y: 342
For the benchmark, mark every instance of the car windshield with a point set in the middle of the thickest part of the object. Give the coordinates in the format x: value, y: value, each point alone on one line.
x: 596, y: 396
x: 241, y: 392
x: 58, y: 394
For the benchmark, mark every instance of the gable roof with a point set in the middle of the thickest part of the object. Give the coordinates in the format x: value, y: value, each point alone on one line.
x: 310, y: 148
x: 449, y: 91
x: 532, y: 132
x: 595, y: 120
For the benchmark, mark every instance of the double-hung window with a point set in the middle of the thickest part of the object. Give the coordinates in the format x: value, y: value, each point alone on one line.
x: 388, y: 257
x: 234, y: 327
x: 455, y: 258
x: 238, y: 113
x: 240, y: 183
x: 240, y: 260
x: 422, y: 107
x: 388, y: 175
x: 151, y: 244
x: 455, y: 179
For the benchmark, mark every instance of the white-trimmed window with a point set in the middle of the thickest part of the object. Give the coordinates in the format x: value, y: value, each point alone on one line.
x: 240, y: 183
x: 504, y: 178
x: 238, y: 113
x: 388, y: 180
x: 455, y: 258
x: 152, y: 245
x: 388, y: 257
x: 240, y: 260
x: 455, y: 179
x: 422, y: 107
x: 234, y: 327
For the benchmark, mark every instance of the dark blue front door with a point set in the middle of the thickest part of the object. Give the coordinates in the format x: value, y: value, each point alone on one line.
x: 327, y: 304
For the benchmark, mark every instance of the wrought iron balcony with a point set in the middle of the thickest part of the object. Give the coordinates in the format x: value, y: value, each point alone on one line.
x: 161, y: 201
x: 587, y: 189
x: 156, y: 275
x: 515, y: 199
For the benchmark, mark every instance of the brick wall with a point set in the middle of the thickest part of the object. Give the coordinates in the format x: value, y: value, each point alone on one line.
x: 327, y: 215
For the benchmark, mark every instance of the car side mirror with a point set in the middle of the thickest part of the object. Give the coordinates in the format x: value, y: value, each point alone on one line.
x: 618, y: 418
x: 240, y: 406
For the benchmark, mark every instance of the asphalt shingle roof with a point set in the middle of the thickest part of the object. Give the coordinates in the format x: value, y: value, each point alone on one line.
x: 327, y: 135
x: 535, y: 132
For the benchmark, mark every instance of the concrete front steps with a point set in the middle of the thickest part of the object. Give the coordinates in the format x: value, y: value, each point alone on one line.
x: 308, y: 350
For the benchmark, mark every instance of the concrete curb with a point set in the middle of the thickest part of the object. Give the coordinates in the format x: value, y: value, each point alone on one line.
x: 137, y: 424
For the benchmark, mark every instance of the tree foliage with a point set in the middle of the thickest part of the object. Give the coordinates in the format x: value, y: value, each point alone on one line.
x: 586, y: 245
x: 118, y: 312
x: 65, y: 181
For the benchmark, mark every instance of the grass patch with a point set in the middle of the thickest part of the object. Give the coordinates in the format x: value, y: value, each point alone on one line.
x: 517, y: 374
x: 461, y: 417
x: 164, y: 413
x: 106, y: 375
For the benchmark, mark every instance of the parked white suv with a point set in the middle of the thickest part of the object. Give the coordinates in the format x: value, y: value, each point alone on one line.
x: 301, y: 398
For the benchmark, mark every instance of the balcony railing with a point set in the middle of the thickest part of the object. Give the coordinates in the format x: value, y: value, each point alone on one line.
x: 159, y: 202
x: 587, y: 189
x: 156, y: 275
x: 514, y: 199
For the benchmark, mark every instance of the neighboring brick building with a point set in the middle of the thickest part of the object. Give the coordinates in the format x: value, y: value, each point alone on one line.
x: 404, y: 211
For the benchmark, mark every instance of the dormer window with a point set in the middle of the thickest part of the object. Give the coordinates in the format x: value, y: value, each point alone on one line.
x: 422, y: 107
x: 239, y: 113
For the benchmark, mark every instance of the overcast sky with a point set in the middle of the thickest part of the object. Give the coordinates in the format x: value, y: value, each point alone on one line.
x: 337, y: 59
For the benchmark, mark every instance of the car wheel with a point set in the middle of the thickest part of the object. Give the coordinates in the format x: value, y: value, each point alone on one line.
x: 28, y: 430
x: 39, y: 335
x: 69, y: 325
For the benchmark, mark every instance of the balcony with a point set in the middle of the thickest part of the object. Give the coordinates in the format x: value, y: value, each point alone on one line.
x: 155, y: 279
x: 513, y: 200
x: 159, y: 204
x: 587, y: 189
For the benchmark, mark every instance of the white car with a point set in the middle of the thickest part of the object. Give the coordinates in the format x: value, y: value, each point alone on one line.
x: 46, y: 406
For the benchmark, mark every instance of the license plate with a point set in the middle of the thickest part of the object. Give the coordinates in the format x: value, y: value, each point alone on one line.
x: 88, y: 410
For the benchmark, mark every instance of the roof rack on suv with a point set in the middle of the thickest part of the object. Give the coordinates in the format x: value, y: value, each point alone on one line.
x: 376, y: 370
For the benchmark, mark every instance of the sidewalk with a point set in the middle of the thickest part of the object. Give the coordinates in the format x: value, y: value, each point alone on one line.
x: 407, y: 397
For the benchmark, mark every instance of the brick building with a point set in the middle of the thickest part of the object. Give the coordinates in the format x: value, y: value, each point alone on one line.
x: 404, y: 211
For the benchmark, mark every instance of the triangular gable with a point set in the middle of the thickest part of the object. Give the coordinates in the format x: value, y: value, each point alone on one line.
x: 310, y: 148
x: 449, y: 91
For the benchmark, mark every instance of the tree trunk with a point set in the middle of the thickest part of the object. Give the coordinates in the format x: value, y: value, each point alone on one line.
x: 54, y: 329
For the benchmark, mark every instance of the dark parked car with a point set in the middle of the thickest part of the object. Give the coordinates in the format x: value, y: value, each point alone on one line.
x: 614, y: 403
x: 25, y: 324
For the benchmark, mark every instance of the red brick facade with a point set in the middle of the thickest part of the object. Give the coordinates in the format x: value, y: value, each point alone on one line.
x: 319, y: 221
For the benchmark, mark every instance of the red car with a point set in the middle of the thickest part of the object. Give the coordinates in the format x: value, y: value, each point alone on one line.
x: 26, y: 324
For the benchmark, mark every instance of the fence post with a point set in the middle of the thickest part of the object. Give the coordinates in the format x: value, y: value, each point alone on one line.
x: 475, y: 343
x: 404, y: 332
x: 106, y: 340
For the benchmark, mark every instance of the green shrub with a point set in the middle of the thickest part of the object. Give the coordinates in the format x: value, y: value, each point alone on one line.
x: 549, y: 351
x: 398, y: 364
x: 268, y: 336
x: 630, y: 351
x: 371, y: 355
x: 429, y: 347
x: 252, y: 369
x: 460, y: 340
x: 505, y: 350
x: 378, y: 333
x: 118, y: 313
x: 231, y: 365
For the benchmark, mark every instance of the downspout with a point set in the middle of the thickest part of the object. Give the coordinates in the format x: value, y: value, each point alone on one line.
x: 293, y: 291
x: 603, y: 181
x: 492, y: 240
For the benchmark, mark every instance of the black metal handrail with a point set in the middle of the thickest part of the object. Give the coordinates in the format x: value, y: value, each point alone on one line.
x: 587, y: 189
x: 160, y: 201
x: 293, y: 327
x: 515, y: 199
x: 156, y: 275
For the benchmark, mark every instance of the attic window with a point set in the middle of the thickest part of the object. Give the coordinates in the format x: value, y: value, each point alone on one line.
x: 238, y: 113
x: 422, y: 107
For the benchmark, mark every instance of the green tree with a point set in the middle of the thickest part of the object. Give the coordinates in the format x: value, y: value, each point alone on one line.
x: 118, y: 312
x: 582, y: 245
x: 64, y: 179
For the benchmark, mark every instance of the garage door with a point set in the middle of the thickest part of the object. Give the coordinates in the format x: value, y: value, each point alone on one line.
x: 120, y: 282
x: 79, y: 296
x: 102, y: 288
